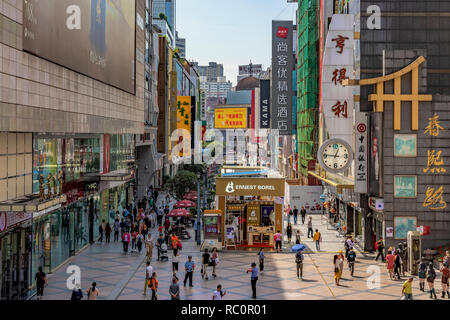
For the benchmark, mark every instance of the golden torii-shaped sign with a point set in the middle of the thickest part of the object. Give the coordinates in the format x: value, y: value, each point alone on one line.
x: 397, y: 97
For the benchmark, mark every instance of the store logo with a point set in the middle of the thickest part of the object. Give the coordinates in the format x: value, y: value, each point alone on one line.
x: 230, y: 187
x: 282, y: 32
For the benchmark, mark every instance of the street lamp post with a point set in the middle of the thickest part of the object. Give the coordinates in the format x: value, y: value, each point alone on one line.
x: 198, y: 211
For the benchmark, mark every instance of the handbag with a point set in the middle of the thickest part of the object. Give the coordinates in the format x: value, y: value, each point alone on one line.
x: 217, y: 261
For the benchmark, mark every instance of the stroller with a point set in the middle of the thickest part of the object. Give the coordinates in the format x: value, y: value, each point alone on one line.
x: 163, y: 253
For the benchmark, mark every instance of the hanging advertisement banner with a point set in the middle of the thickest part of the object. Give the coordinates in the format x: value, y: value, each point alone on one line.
x: 361, y: 152
x: 230, y: 118
x: 184, y: 113
x: 282, y: 67
x: 264, y: 116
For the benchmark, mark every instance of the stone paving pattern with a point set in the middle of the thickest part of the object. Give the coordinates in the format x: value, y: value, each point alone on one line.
x: 121, y: 276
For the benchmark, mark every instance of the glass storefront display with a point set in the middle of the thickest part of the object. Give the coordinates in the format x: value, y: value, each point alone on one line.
x: 122, y: 151
x: 15, y: 271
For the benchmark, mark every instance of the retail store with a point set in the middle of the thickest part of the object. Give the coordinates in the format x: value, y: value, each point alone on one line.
x: 15, y: 255
x: 252, y: 210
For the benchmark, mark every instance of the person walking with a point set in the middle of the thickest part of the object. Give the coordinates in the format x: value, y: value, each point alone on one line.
x: 295, y: 211
x: 218, y: 294
x: 205, y: 262
x: 310, y: 228
x: 341, y: 266
x: 397, y: 264
x: 317, y: 238
x: 261, y: 260
x: 390, y: 263
x: 407, y: 289
x: 148, y: 275
x: 149, y: 247
x: 93, y: 292
x: 126, y: 238
x: 277, y: 238
x: 154, y: 286
x: 116, y: 227
x: 348, y: 244
x: 351, y: 259
x: 101, y: 230
x: 337, y: 262
x: 174, y: 241
x: 174, y: 289
x: 289, y: 213
x: 159, y: 243
x: 299, y: 262
x: 444, y: 280
x: 77, y: 294
x: 253, y: 278
x: 215, y: 261
x: 175, y: 261
x: 140, y: 241
x: 303, y: 214
x: 289, y: 232
x: 167, y: 224
x: 297, y: 237
x: 41, y: 281
x: 422, y: 274
x: 431, y: 276
x: 380, y: 248
x: 189, y: 268
x: 108, y: 231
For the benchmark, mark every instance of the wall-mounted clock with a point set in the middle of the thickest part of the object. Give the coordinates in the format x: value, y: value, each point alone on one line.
x: 335, y: 155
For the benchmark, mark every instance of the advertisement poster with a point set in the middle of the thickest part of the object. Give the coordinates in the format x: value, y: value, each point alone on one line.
x: 305, y: 196
x: 230, y: 118
x: 211, y: 226
x: 253, y: 215
x: 267, y: 216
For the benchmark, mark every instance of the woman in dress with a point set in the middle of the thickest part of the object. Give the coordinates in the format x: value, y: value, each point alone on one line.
x: 444, y: 280
x: 390, y: 262
x: 215, y: 260
x: 422, y: 274
x: 431, y: 276
x: 337, y: 261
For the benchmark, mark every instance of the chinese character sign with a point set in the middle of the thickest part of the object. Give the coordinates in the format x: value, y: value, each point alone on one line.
x: 361, y: 152
x: 281, y: 113
x: 337, y: 100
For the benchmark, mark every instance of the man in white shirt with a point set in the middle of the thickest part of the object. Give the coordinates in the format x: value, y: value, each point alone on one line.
x: 148, y: 274
x: 218, y: 294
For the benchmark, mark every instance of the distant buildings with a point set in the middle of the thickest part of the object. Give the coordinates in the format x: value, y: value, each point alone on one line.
x: 212, y: 71
x: 181, y: 45
x: 249, y: 70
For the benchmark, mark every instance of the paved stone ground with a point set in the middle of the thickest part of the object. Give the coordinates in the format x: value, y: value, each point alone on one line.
x: 120, y: 276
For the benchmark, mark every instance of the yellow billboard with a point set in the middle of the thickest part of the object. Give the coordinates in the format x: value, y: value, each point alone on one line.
x: 230, y: 118
x: 184, y: 112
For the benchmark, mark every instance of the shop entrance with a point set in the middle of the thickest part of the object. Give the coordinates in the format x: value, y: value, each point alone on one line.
x: 15, y: 273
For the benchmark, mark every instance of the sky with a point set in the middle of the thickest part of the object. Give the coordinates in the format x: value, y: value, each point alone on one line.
x: 231, y: 32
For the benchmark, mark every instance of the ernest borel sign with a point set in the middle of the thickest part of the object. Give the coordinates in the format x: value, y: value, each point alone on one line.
x: 250, y: 187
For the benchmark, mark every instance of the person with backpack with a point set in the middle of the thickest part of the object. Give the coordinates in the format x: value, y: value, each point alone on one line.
x: 77, y: 294
x: 261, y: 260
x: 108, y: 231
x: 422, y: 274
x: 126, y: 238
x: 41, y: 281
x: 380, y: 248
x: 148, y: 275
x: 299, y: 262
x: 93, y: 292
x: 154, y: 286
x: 351, y: 258
x: 289, y: 232
x: 205, y: 263
x: 317, y: 238
x: 310, y: 228
x: 348, y: 244
x: 303, y: 214
x: 431, y: 276
x: 444, y: 280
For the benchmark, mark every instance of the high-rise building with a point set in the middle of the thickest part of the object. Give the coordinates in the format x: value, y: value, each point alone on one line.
x: 181, y: 45
x: 164, y: 16
x: 212, y: 71
x: 68, y: 120
x: 249, y: 70
x: 216, y: 89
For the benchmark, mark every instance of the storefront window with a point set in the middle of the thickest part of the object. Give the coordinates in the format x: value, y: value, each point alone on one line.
x: 60, y: 237
x: 41, y: 244
x: 122, y: 151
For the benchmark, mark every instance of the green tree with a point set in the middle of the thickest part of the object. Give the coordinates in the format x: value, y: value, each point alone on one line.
x: 178, y: 185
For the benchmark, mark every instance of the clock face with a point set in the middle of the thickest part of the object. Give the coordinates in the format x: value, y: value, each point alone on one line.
x: 335, y: 156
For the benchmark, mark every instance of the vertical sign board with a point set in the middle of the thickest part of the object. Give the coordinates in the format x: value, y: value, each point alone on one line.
x: 361, y: 152
x: 202, y: 105
x: 282, y: 66
x: 265, y: 104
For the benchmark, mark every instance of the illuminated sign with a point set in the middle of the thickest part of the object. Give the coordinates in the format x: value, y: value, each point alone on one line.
x: 230, y: 118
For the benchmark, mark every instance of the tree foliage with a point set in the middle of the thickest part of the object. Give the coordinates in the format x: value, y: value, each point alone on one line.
x: 179, y: 184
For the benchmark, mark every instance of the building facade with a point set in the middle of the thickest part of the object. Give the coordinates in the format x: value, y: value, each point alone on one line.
x: 67, y: 135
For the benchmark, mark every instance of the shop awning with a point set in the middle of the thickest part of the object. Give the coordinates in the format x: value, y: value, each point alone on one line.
x: 336, y: 182
x: 116, y: 176
x: 31, y: 203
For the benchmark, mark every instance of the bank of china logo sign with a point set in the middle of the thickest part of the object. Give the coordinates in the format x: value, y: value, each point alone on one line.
x: 230, y: 187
